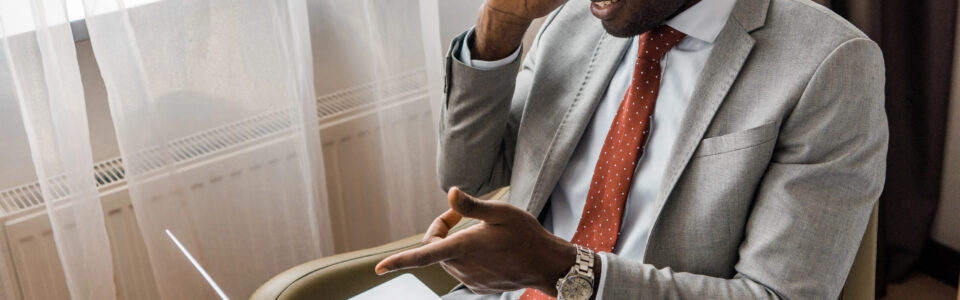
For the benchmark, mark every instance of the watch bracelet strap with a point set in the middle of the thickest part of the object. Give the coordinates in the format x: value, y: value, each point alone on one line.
x: 582, y: 267
x: 584, y: 264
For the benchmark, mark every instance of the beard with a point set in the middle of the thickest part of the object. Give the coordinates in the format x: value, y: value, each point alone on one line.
x: 640, y: 16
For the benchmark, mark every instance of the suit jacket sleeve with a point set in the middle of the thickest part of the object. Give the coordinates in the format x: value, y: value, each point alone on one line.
x: 814, y: 202
x: 479, y: 122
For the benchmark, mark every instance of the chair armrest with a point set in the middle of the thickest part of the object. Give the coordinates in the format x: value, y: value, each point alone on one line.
x: 345, y: 275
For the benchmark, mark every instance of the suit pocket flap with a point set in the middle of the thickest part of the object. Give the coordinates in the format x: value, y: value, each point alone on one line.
x: 737, y: 140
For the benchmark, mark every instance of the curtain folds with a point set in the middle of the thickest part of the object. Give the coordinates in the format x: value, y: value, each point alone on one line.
x: 408, y: 148
x: 38, y: 68
x: 213, y: 108
x: 370, y: 57
x: 219, y: 120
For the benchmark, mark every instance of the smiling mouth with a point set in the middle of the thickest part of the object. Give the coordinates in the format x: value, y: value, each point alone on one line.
x: 605, y: 9
x: 604, y: 3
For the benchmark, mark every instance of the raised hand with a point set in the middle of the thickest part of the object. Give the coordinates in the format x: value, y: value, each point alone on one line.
x: 502, y: 24
x: 525, y: 9
x: 508, y: 250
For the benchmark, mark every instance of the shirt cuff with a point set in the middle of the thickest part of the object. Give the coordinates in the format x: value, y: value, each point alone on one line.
x: 603, y: 275
x: 484, y: 64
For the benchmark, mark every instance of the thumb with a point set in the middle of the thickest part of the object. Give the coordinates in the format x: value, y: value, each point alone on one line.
x: 468, y: 206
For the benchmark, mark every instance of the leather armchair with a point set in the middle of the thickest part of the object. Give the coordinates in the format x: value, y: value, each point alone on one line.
x: 344, y: 275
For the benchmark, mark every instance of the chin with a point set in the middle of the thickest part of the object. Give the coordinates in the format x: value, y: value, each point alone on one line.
x: 617, y: 31
x: 633, y: 17
x: 624, y: 30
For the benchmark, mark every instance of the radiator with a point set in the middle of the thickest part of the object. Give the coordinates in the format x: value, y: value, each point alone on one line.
x: 351, y: 140
x: 30, y: 267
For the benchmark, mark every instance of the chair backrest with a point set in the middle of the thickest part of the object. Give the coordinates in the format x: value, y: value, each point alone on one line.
x: 860, y: 282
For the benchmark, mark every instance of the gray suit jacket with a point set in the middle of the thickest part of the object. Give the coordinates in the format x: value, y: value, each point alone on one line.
x: 779, y: 162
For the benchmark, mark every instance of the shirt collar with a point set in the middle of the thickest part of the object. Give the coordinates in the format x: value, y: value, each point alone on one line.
x: 704, y: 20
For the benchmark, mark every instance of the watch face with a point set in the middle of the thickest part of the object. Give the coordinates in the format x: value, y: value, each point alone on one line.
x: 576, y: 288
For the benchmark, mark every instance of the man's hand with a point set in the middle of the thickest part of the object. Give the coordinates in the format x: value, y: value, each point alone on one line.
x: 508, y: 250
x: 502, y: 24
x: 524, y: 9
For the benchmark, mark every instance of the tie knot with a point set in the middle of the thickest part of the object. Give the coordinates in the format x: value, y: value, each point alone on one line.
x: 656, y: 42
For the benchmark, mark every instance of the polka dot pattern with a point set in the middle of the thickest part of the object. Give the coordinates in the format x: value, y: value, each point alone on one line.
x: 599, y: 225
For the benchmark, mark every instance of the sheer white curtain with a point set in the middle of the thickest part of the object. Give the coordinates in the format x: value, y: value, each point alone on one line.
x: 215, y: 106
x: 402, y: 83
x: 370, y: 55
x: 215, y: 118
x: 38, y: 69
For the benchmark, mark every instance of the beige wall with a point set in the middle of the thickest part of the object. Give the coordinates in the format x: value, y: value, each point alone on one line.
x: 946, y: 226
x: 16, y: 166
x: 455, y: 17
x: 103, y: 141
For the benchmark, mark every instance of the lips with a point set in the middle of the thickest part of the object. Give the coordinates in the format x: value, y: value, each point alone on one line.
x: 604, y: 3
x: 604, y: 9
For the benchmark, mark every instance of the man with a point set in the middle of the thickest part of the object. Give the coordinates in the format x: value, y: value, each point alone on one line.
x: 725, y: 149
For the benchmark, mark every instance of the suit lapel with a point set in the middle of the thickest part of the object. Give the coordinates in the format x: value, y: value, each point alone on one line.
x: 726, y: 60
x: 730, y: 53
x: 604, y: 61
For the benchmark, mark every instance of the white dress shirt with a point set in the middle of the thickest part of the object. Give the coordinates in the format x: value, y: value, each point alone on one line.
x: 681, y: 68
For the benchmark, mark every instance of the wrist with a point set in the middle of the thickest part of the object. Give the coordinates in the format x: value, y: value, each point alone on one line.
x: 579, y: 282
x: 558, y: 267
x: 597, y: 271
x: 498, y: 34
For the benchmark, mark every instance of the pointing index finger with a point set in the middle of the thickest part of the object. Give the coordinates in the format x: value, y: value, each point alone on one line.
x: 419, y: 257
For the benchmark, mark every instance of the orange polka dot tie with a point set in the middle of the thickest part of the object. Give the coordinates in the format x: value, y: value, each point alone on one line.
x: 599, y: 225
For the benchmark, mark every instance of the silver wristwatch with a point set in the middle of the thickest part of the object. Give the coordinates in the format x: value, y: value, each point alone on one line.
x: 578, y: 283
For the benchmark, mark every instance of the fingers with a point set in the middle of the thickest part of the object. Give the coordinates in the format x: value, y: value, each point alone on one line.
x: 468, y: 206
x: 441, y: 226
x: 419, y: 257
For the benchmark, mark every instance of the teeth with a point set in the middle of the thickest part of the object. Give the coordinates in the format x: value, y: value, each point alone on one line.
x: 603, y: 4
